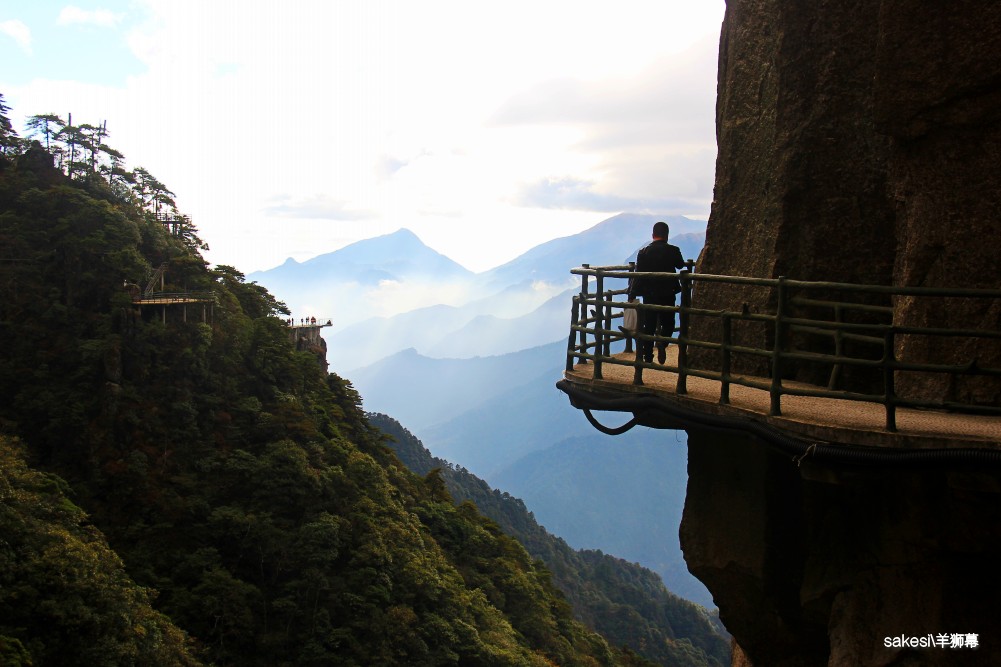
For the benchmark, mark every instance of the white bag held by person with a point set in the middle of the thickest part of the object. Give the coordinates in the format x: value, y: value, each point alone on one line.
x: 630, y: 319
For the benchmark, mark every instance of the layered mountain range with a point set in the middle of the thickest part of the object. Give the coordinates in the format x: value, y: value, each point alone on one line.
x: 392, y: 292
x: 472, y: 376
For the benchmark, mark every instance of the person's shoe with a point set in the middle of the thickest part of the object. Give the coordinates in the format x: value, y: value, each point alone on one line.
x: 661, y: 355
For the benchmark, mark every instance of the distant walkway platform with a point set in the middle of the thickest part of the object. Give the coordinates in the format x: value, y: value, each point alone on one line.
x: 809, y: 418
x: 311, y: 325
x: 172, y: 300
x: 183, y: 299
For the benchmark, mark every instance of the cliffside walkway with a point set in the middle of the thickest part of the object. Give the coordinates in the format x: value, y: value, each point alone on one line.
x: 604, y: 372
x: 307, y: 332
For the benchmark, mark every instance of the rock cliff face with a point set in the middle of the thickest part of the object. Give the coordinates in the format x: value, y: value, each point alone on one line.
x: 812, y: 566
x: 938, y: 99
x: 859, y: 141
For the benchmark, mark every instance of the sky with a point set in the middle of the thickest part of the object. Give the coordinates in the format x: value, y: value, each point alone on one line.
x: 291, y: 129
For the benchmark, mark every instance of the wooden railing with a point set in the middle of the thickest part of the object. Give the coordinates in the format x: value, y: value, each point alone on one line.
x: 599, y: 307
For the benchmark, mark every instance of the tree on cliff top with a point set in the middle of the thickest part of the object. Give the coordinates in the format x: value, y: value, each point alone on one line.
x: 8, y: 137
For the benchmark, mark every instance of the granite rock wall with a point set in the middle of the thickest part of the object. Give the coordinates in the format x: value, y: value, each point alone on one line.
x: 815, y: 566
x: 858, y: 142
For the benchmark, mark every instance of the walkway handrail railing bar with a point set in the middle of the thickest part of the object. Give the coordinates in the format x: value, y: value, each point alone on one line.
x: 594, y: 313
x: 963, y: 292
x: 838, y: 332
x: 178, y: 296
x: 864, y: 307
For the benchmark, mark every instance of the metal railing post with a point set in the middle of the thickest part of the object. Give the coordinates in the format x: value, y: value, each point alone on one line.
x: 599, y: 322
x: 686, y: 303
x: 638, y: 373
x: 889, y: 390
x: 629, y: 339
x: 727, y: 341
x: 582, y: 320
x: 776, y: 389
x: 574, y: 318
x: 606, y: 299
x: 832, y: 381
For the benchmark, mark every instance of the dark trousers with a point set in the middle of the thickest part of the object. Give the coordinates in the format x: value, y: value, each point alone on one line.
x: 654, y: 320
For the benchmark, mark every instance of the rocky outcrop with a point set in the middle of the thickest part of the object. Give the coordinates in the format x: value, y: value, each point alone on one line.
x: 801, y: 171
x: 938, y: 99
x: 308, y: 339
x: 858, y: 142
x: 814, y: 566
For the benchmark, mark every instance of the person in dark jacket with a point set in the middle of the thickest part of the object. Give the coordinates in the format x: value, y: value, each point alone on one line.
x: 658, y: 256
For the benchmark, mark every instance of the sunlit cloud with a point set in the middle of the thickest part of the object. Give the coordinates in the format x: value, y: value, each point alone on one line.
x: 102, y: 18
x: 317, y: 207
x: 570, y: 193
x: 648, y: 139
x: 387, y: 165
x: 19, y: 32
x: 292, y: 129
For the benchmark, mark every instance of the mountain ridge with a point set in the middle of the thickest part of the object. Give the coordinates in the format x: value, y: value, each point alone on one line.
x: 625, y: 600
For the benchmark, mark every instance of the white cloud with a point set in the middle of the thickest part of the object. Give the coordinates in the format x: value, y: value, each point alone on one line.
x: 649, y: 137
x: 103, y: 18
x: 19, y: 32
x: 574, y: 194
x: 291, y: 129
x: 317, y: 207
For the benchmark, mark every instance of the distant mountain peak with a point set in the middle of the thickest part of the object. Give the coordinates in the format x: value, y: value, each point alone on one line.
x: 403, y: 232
x: 399, y: 255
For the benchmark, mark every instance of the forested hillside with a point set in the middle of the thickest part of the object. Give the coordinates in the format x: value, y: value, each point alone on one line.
x: 627, y: 603
x: 179, y: 491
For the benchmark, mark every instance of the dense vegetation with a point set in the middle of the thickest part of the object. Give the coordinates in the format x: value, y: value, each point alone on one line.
x: 625, y: 602
x: 182, y: 492
x: 64, y: 593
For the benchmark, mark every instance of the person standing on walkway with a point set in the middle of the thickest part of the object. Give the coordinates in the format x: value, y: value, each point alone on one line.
x: 661, y: 257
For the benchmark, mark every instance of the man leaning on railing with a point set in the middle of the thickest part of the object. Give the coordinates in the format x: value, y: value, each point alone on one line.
x: 662, y: 257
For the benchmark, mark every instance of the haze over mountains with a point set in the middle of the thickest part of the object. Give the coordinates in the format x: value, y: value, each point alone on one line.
x: 468, y: 363
x: 392, y: 292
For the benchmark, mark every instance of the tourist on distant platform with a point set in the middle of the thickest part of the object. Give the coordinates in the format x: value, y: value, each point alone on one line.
x: 312, y: 320
x: 657, y: 256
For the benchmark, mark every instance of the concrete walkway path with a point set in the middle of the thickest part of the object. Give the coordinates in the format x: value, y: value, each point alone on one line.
x: 821, y: 419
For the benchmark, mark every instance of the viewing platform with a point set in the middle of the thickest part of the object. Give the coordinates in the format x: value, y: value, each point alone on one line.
x: 150, y: 296
x: 697, y: 384
x: 207, y: 300
x: 306, y: 331
x: 162, y: 299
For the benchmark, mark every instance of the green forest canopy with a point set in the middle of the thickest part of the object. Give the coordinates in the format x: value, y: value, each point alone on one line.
x: 187, y: 492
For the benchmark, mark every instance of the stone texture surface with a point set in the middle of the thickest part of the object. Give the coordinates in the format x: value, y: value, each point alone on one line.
x: 938, y: 92
x: 801, y: 171
x: 813, y: 567
x: 859, y: 141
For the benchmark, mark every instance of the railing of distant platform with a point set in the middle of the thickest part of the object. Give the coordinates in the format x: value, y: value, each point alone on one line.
x: 177, y: 297
x: 601, y: 302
